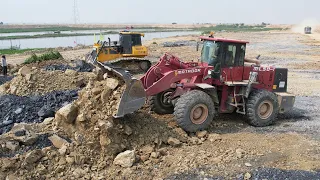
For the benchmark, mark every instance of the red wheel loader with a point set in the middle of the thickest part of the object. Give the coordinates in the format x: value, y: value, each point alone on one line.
x: 221, y: 82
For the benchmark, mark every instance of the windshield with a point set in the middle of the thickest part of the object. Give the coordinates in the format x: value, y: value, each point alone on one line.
x: 209, y: 52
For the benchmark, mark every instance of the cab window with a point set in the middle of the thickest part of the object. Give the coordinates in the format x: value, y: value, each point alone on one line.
x: 230, y: 55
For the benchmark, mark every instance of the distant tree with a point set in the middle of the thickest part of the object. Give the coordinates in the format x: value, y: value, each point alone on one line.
x: 174, y: 23
x: 241, y: 24
x: 263, y: 24
x: 1, y: 23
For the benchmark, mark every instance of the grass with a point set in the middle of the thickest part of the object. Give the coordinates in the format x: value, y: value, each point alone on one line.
x: 64, y: 28
x: 16, y: 51
x: 44, y: 57
x: 70, y: 35
x: 44, y: 29
x: 236, y: 28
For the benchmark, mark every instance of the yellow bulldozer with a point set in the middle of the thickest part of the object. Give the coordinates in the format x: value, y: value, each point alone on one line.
x: 128, y: 53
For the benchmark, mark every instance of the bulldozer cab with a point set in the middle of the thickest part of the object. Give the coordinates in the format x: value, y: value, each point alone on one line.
x: 128, y: 40
x: 224, y: 55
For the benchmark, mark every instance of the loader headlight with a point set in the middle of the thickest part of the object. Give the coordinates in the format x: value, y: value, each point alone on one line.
x: 209, y: 72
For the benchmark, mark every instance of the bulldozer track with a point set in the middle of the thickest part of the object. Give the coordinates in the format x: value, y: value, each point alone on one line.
x: 134, y: 65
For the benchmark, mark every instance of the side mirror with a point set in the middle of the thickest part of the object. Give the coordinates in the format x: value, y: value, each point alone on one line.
x: 197, y: 46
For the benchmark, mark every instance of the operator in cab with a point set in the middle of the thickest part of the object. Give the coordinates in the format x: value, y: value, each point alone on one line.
x: 215, y: 60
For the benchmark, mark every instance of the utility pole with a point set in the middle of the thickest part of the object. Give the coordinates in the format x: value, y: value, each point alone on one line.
x: 76, y: 17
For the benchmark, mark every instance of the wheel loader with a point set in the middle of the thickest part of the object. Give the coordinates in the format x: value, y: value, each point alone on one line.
x: 128, y: 53
x: 222, y: 81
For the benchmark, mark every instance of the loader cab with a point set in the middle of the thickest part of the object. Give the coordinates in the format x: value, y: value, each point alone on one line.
x: 225, y: 55
x: 128, y: 40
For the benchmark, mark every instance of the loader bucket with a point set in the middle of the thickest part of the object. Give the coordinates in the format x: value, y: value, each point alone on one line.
x: 133, y: 97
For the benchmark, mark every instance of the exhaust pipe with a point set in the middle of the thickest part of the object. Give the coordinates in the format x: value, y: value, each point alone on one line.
x: 109, y: 41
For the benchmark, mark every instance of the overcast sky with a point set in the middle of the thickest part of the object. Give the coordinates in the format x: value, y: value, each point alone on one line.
x: 160, y: 11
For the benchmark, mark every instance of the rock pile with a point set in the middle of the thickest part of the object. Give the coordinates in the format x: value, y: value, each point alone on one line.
x: 88, y: 122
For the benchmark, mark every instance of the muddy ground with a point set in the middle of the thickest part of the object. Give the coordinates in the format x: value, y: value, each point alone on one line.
x: 230, y: 149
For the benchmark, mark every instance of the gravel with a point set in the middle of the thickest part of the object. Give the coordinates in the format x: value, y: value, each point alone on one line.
x: 4, y: 79
x: 179, y: 43
x: 258, y: 174
x: 29, y: 109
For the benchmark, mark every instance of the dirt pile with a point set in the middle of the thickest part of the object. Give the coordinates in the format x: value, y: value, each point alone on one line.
x: 30, y: 81
x: 88, y: 123
x: 86, y: 138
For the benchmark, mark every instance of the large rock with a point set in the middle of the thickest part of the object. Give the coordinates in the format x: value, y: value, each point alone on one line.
x: 70, y: 72
x: 125, y: 159
x: 173, y: 141
x: 201, y: 134
x: 57, y: 141
x: 33, y: 156
x: 46, y: 111
x: 112, y: 83
x: 24, y: 134
x: 48, y: 120
x: 127, y: 130
x: 13, y: 89
x: 214, y: 137
x: 24, y: 71
x: 148, y: 149
x: 67, y: 113
x: 12, y: 145
x: 8, y: 163
x: 104, y: 141
x: 105, y: 95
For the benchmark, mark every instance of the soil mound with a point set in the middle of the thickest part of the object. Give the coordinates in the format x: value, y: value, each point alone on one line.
x: 33, y: 81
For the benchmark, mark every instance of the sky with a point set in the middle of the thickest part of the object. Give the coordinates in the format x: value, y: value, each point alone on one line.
x: 160, y: 11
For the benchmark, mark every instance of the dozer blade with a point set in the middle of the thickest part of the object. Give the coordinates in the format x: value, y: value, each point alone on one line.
x: 133, y: 97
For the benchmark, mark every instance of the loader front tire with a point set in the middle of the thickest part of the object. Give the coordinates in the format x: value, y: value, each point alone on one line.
x: 160, y: 103
x: 262, y: 108
x: 194, y: 111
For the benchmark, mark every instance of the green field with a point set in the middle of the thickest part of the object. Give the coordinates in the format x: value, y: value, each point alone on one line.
x: 75, y: 34
x: 16, y: 51
x: 236, y: 28
x: 62, y: 28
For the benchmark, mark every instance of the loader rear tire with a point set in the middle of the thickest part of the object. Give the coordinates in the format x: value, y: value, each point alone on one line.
x: 262, y: 108
x: 159, y: 103
x: 194, y: 111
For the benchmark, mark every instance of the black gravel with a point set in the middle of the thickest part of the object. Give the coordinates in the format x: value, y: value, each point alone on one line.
x: 179, y: 43
x: 41, y: 142
x: 4, y: 79
x: 78, y: 65
x: 30, y: 109
x: 258, y: 174
x: 285, y: 174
